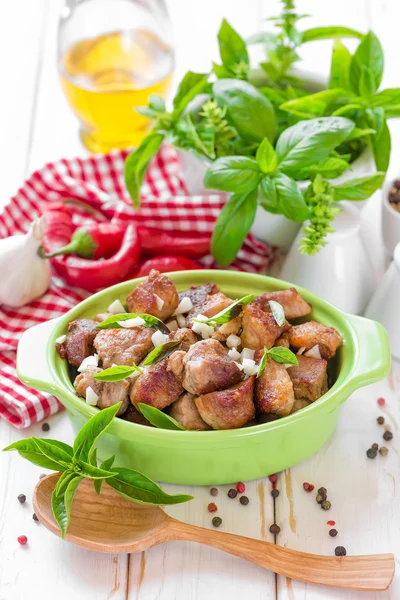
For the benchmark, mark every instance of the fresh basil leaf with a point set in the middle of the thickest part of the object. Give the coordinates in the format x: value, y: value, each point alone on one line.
x: 269, y: 199
x: 309, y: 142
x: 349, y: 110
x: 146, y: 112
x: 278, y: 312
x: 314, y: 105
x: 117, y: 373
x: 263, y: 363
x: 62, y: 504
x: 366, y: 86
x: 139, y: 488
x: 158, y: 418
x: 157, y: 103
x: 266, y: 157
x: 202, y: 140
x: 330, y: 168
x: 149, y: 321
x: 370, y: 54
x: 29, y: 449
x: 191, y: 85
x: 161, y: 352
x: 106, y: 465
x: 251, y: 113
x: 221, y: 72
x: 360, y: 188
x: 53, y: 452
x: 90, y: 432
x: 340, y: 66
x: 386, y: 98
x: 232, y: 226
x: 233, y: 174
x: 232, y: 47
x: 136, y: 164
x: 93, y: 457
x: 329, y: 32
x: 229, y: 313
x: 290, y: 199
x: 64, y: 481
x: 91, y: 472
x: 358, y: 133
x: 283, y: 355
x: 381, y: 146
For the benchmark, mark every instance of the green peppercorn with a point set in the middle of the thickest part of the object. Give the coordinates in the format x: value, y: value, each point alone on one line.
x: 333, y: 532
x: 216, y: 521
x: 381, y: 420
x: 388, y: 435
x: 325, y: 505
x: 214, y: 492
x: 375, y: 446
x: 383, y: 451
x: 275, y: 493
x: 232, y: 493
x: 275, y: 529
x: 320, y: 498
x: 371, y: 453
x: 340, y: 551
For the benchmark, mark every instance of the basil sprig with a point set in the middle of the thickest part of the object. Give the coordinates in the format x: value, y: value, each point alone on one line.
x: 228, y: 313
x: 160, y: 352
x: 80, y: 462
x: 158, y: 418
x: 117, y: 373
x: 149, y: 321
x: 279, y: 354
x: 278, y: 312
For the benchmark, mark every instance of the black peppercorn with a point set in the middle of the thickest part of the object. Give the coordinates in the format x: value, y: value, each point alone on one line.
x: 371, y: 453
x: 275, y: 529
x: 216, y: 521
x: 275, y: 493
x: 340, y: 551
x: 21, y: 498
x: 244, y: 500
x: 214, y: 492
x: 232, y: 493
x: 323, y: 491
x: 45, y: 427
x: 333, y: 532
x: 375, y: 446
x: 388, y: 435
x: 380, y: 420
x: 34, y: 517
x: 325, y: 505
x: 383, y: 451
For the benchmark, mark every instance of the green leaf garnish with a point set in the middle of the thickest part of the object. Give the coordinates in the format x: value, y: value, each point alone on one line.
x: 106, y: 465
x: 62, y: 504
x: 29, y: 449
x: 280, y: 355
x: 149, y: 321
x: 278, y: 312
x: 89, y: 434
x: 139, y: 488
x: 117, y: 373
x: 158, y: 418
x: 229, y: 313
x: 91, y: 472
x: 161, y: 352
x: 263, y: 362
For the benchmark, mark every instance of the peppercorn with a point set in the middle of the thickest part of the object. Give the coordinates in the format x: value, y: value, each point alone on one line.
x: 331, y: 523
x: 216, y: 521
x: 371, y: 453
x: 375, y: 446
x: 34, y: 517
x: 340, y: 551
x: 383, y: 451
x: 244, y: 500
x: 240, y: 487
x: 381, y: 401
x: 45, y: 427
x: 320, y: 498
x: 308, y: 487
x: 214, y: 492
x: 333, y: 532
x: 232, y: 493
x: 22, y: 539
x: 275, y: 529
x: 323, y: 491
x: 212, y: 507
x: 21, y: 498
x: 381, y: 420
x: 325, y: 505
x: 388, y: 435
x: 273, y: 478
x: 275, y: 493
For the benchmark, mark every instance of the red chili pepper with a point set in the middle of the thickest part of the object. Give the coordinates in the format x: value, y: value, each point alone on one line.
x: 93, y: 275
x: 157, y: 241
x: 59, y: 226
x: 97, y: 240
x: 165, y: 264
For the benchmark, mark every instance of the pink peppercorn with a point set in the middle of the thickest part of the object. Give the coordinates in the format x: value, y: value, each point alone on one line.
x: 212, y: 507
x: 331, y: 523
x: 381, y: 401
x: 22, y: 539
x: 273, y: 478
x: 240, y: 487
x: 308, y: 487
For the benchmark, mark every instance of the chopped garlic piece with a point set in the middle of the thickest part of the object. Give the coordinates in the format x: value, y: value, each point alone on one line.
x: 202, y: 318
x: 248, y: 366
x: 61, y: 339
x: 247, y: 353
x: 313, y: 352
x: 116, y: 308
x: 184, y: 306
x: 181, y: 320
x: 239, y: 366
x: 233, y: 341
x: 159, y: 301
x: 89, y: 361
x: 131, y: 323
x: 206, y: 331
x: 91, y: 396
x: 300, y: 350
x: 234, y: 354
x: 172, y: 325
x: 158, y: 338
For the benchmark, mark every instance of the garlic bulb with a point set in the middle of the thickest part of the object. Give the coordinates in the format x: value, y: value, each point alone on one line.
x: 24, y: 275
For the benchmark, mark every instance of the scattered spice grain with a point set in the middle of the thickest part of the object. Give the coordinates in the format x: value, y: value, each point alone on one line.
x: 381, y: 420
x: 244, y: 500
x: 21, y: 498
x: 383, y: 451
x: 333, y: 532
x: 275, y: 529
x: 217, y: 521
x: 241, y: 488
x: 214, y: 492
x: 232, y: 493
x: 212, y: 507
x: 388, y: 435
x: 340, y: 551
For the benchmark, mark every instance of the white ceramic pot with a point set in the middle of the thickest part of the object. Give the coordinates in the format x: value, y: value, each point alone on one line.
x: 390, y: 221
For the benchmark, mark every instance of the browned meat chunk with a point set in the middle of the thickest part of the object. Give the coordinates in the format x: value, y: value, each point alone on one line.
x: 231, y: 327
x: 311, y: 334
x: 310, y: 380
x: 109, y: 392
x: 283, y: 340
x: 299, y: 404
x: 188, y: 338
x: 79, y: 342
x: 228, y: 409
x: 134, y: 416
x: 259, y: 328
x: 207, y: 367
x: 274, y: 390
x: 123, y: 346
x: 143, y: 298
x: 198, y: 296
x: 291, y: 301
x: 175, y: 364
x: 214, y: 304
x: 184, y: 410
x: 156, y: 386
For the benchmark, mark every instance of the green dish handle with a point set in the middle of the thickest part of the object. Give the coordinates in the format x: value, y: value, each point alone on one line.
x: 373, y: 360
x: 32, y: 366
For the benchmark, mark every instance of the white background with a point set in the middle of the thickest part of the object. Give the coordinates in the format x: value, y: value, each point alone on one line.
x: 37, y: 126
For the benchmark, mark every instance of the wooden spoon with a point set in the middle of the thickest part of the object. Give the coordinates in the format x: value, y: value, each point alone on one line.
x: 111, y: 523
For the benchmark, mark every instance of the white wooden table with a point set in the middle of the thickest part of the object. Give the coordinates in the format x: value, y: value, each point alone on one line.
x: 36, y: 126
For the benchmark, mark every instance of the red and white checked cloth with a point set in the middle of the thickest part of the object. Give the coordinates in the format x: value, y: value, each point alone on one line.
x: 165, y: 204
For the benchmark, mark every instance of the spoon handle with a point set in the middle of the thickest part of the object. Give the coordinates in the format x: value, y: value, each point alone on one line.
x: 374, y: 572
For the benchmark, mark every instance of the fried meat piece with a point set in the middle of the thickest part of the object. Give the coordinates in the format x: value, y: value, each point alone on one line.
x: 310, y: 379
x: 291, y: 301
x: 109, y: 392
x: 123, y: 346
x: 230, y: 408
x: 188, y: 338
x: 274, y: 390
x: 79, y: 342
x: 198, y: 295
x: 226, y: 329
x: 311, y: 334
x: 259, y: 327
x: 143, y: 299
x: 156, y: 386
x: 185, y: 411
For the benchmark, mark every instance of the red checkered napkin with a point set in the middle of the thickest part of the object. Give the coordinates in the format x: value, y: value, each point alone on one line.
x: 98, y: 180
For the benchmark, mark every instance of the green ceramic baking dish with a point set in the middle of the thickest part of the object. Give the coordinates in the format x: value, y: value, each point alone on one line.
x: 213, y: 457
